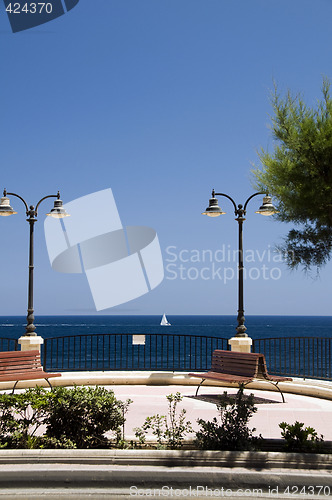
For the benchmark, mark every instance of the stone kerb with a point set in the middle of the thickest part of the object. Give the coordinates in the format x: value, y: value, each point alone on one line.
x: 313, y: 388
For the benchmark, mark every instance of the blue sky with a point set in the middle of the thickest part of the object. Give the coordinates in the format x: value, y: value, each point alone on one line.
x: 161, y: 100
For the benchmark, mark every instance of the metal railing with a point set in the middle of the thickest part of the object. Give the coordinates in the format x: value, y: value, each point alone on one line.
x: 305, y: 357
x: 8, y: 344
x: 122, y: 352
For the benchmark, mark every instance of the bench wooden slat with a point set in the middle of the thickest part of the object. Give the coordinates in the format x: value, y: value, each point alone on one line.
x: 20, y: 354
x: 23, y: 362
x: 19, y: 362
x: 237, y: 354
x: 27, y: 376
x: 244, y: 356
x: 22, y: 365
x: 229, y: 364
x: 21, y: 369
x: 240, y: 362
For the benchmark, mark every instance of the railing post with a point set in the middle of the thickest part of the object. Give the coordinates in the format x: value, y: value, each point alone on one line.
x: 45, y: 355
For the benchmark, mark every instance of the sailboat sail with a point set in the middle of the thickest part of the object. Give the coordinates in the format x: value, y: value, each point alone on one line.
x: 164, y: 321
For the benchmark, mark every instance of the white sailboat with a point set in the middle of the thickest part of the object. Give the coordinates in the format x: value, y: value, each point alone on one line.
x: 164, y: 321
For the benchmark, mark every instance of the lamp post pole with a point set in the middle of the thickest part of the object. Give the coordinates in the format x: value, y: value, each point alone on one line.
x: 30, y: 328
x: 214, y: 210
x: 58, y: 212
x: 241, y: 329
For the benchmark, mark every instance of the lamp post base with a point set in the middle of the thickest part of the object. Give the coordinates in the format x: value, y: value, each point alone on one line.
x: 31, y: 343
x: 240, y: 344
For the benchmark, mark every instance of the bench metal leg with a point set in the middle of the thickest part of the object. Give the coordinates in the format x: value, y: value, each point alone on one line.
x: 17, y: 381
x: 276, y: 385
x: 47, y: 380
x: 49, y: 383
x: 199, y: 386
x: 282, y: 395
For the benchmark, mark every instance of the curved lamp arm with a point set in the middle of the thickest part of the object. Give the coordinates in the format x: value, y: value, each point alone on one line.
x: 226, y: 196
x: 252, y: 196
x: 48, y: 196
x: 17, y: 196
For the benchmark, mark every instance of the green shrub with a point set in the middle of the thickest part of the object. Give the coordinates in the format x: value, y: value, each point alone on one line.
x: 231, y: 432
x: 76, y: 417
x: 52, y: 443
x: 121, y: 441
x: 83, y: 415
x: 170, y: 432
x: 21, y: 417
x: 301, y: 439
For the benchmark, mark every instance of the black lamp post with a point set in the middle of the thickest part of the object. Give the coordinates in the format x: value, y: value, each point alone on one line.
x: 58, y: 212
x: 214, y: 210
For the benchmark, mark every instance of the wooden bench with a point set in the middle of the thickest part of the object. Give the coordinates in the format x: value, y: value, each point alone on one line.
x: 239, y: 367
x: 22, y: 365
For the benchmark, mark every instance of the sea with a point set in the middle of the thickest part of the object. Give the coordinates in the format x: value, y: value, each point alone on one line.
x: 258, y: 327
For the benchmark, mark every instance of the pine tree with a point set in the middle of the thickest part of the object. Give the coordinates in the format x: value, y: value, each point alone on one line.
x: 299, y: 175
